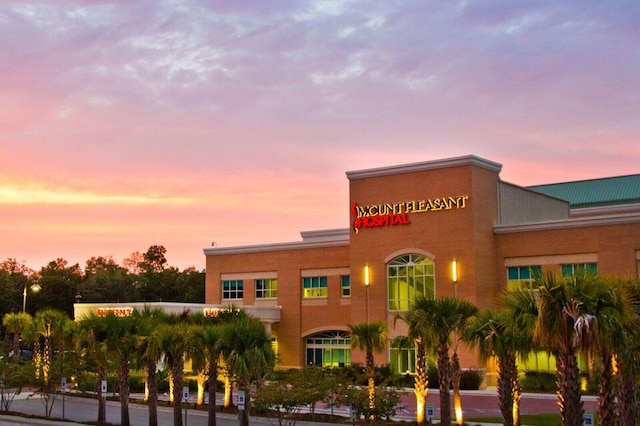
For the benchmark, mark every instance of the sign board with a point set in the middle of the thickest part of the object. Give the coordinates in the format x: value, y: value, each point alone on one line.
x: 63, y: 383
x: 185, y: 392
x: 240, y: 400
x: 352, y: 412
x: 103, y: 387
x: 430, y: 411
x: 587, y: 420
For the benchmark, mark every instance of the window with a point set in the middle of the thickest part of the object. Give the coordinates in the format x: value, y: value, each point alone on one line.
x: 522, y: 276
x: 345, y: 285
x: 314, y: 287
x: 402, y: 360
x: 329, y: 349
x: 232, y: 289
x: 409, y: 276
x: 574, y: 269
x: 267, y: 288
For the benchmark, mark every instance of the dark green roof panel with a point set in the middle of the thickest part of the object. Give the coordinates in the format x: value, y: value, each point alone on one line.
x: 595, y: 192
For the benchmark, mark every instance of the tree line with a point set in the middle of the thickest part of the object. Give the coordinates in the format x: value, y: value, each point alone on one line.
x: 143, y: 277
x: 585, y: 315
x: 232, y: 345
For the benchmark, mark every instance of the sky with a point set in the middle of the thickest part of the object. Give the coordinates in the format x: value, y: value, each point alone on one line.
x: 187, y: 123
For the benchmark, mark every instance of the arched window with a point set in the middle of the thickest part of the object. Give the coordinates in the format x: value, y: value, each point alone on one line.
x: 409, y: 276
x: 329, y: 349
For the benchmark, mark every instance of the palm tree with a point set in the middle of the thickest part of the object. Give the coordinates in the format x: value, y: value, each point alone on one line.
x: 47, y: 324
x: 625, y: 342
x: 565, y: 313
x: 90, y: 342
x: 421, y: 378
x: 121, y: 341
x: 248, y: 354
x: 370, y: 337
x: 174, y: 339
x: 497, y: 334
x: 206, y: 353
x: 17, y: 323
x: 437, y: 320
x: 149, y: 354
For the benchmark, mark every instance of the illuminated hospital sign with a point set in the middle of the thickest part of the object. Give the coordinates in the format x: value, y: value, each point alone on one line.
x: 391, y: 214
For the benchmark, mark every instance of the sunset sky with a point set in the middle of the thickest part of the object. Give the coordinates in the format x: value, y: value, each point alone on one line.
x: 126, y: 124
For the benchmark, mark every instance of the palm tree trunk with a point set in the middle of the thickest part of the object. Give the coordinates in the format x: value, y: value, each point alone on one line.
x: 212, y: 385
x: 626, y: 391
x: 505, y: 395
x: 421, y: 383
x: 456, y: 375
x: 152, y: 382
x: 176, y: 373
x: 569, y: 398
x: 516, y: 390
x: 102, y: 401
x: 124, y: 390
x: 606, y: 395
x: 444, y: 377
x: 243, y: 415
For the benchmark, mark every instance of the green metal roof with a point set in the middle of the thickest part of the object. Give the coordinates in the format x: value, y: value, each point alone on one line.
x: 609, y: 191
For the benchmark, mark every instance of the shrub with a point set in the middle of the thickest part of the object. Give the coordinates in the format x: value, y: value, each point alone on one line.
x: 470, y: 380
x: 535, y: 381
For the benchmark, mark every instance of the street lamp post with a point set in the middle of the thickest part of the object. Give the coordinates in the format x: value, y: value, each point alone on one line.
x: 366, y: 284
x: 35, y: 288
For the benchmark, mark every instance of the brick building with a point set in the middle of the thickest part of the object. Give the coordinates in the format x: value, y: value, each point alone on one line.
x: 441, y: 227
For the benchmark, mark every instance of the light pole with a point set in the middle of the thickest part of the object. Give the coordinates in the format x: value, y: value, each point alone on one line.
x: 366, y: 285
x: 35, y: 288
x: 454, y: 277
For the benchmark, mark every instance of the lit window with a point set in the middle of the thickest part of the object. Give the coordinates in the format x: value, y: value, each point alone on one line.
x: 232, y: 289
x: 402, y: 360
x: 314, y: 287
x: 409, y: 276
x: 574, y: 269
x: 330, y: 349
x: 522, y: 276
x: 345, y: 285
x: 267, y: 288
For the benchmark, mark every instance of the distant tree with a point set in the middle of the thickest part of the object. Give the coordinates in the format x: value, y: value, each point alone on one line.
x: 133, y: 262
x: 154, y: 259
x: 190, y: 284
x: 14, y: 276
x: 59, y: 284
x: 106, y: 281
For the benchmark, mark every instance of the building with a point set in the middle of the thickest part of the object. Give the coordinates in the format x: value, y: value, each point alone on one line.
x: 444, y: 227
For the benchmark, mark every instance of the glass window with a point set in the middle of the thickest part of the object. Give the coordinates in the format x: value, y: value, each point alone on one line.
x: 329, y: 349
x: 232, y: 289
x: 314, y: 287
x: 522, y: 276
x: 402, y: 360
x: 574, y: 269
x: 345, y: 285
x: 267, y: 288
x: 409, y: 276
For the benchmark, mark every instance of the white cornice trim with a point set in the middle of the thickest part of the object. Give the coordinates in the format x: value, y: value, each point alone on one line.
x: 467, y: 160
x: 274, y: 247
x: 569, y: 223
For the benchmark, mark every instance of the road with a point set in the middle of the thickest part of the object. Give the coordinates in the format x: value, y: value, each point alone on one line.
x: 80, y: 409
